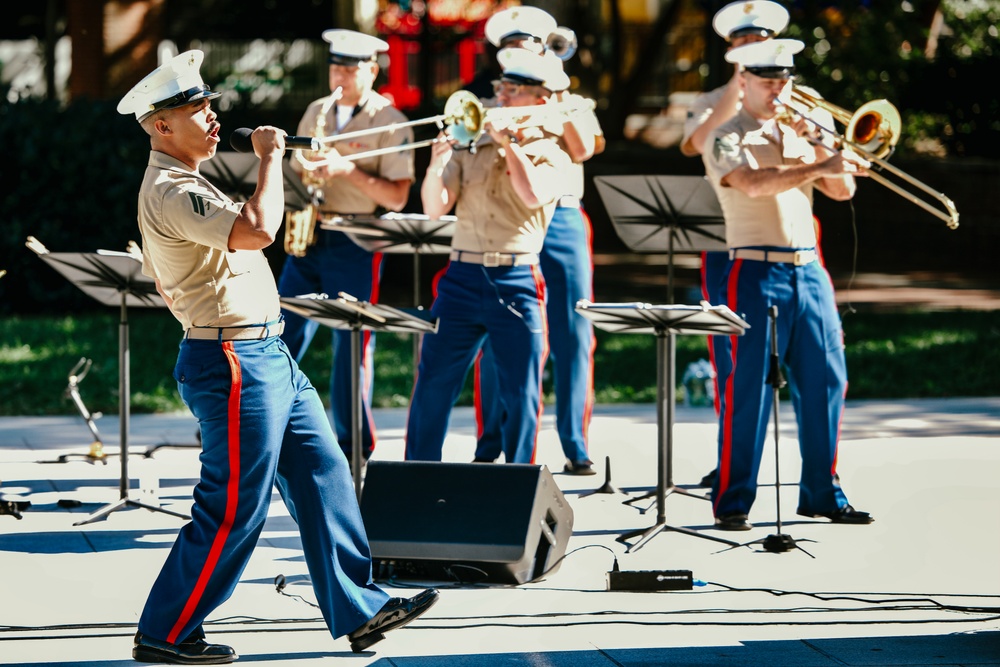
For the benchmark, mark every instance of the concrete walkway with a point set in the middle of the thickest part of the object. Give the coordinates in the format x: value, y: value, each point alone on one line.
x: 920, y: 586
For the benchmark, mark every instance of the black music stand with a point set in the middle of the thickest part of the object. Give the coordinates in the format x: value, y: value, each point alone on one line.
x: 400, y: 233
x: 113, y: 279
x: 346, y: 312
x: 664, y: 214
x: 665, y: 322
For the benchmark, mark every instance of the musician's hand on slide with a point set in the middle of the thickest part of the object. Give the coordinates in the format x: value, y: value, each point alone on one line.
x: 845, y: 163
x: 441, y: 152
x: 802, y: 127
x: 859, y: 164
x: 335, y: 165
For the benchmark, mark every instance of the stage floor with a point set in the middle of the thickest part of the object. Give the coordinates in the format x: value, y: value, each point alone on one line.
x: 920, y: 586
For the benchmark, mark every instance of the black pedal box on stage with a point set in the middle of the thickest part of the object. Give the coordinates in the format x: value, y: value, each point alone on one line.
x: 650, y: 580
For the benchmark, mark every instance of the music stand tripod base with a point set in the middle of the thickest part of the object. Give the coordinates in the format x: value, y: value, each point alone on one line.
x: 113, y: 279
x: 127, y: 503
x: 665, y: 322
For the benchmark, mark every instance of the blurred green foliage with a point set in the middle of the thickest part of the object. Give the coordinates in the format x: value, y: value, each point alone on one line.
x: 889, y: 355
x: 860, y: 51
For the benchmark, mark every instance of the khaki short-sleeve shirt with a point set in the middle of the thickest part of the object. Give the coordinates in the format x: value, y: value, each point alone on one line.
x: 340, y: 196
x: 491, y: 216
x: 586, y: 123
x: 185, y: 223
x: 783, y: 220
x: 699, y: 111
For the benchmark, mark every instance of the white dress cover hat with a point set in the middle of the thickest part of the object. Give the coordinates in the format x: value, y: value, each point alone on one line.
x: 173, y: 84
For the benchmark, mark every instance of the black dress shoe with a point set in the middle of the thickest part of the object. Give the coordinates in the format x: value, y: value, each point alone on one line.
x: 190, y: 652
x: 845, y: 514
x: 733, y: 521
x: 579, y: 468
x: 708, y: 480
x: 483, y: 459
x: 395, y: 613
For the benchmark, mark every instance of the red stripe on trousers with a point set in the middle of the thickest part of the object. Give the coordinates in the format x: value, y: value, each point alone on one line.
x: 725, y: 456
x: 540, y: 293
x: 840, y: 422
x: 366, y: 363
x: 588, y: 410
x: 717, y: 399
x: 588, y: 230
x: 232, y: 495
x: 477, y: 394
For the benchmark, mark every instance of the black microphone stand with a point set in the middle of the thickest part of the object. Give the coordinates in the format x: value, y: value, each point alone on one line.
x: 778, y: 542
x: 607, y: 487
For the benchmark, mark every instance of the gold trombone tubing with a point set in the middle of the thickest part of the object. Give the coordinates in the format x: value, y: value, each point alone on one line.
x: 384, y: 129
x: 537, y: 114
x: 949, y: 214
x: 872, y: 132
x: 462, y: 115
x: 465, y: 119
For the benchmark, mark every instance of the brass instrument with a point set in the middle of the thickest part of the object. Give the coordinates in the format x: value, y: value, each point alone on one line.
x: 300, y: 226
x: 537, y: 114
x: 464, y: 121
x: 462, y: 115
x: 872, y: 132
x: 562, y: 42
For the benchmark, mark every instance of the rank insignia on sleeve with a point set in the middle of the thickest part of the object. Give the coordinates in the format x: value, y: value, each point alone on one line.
x: 201, y: 204
x: 723, y: 146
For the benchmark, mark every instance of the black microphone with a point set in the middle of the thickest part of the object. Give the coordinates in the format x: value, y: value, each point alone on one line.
x: 241, y: 142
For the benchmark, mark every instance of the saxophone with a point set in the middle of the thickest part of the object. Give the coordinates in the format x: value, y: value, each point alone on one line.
x: 300, y: 226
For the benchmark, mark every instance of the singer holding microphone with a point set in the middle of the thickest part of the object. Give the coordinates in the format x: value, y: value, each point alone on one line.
x: 262, y: 423
x: 335, y: 263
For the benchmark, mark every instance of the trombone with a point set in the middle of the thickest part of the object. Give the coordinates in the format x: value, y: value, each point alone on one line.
x: 872, y: 132
x: 464, y: 120
x: 463, y: 116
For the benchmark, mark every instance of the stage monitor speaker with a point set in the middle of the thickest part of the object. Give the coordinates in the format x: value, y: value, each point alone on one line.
x: 464, y: 522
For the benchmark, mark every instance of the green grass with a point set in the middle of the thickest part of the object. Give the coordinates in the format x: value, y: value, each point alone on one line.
x: 889, y: 355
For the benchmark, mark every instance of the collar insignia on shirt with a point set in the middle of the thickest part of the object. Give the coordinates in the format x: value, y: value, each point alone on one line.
x: 201, y: 204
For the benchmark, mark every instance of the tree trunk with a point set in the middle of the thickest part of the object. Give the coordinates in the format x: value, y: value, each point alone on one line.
x: 85, y: 24
x: 628, y: 91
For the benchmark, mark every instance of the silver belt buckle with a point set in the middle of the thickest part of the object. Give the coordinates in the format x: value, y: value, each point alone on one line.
x: 801, y: 257
x: 491, y: 259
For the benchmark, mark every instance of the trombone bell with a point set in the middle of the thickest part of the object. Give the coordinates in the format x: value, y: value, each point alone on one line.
x: 464, y: 116
x: 875, y: 127
x: 873, y: 131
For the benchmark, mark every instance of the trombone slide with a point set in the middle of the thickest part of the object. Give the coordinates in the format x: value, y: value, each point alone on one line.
x: 872, y: 132
x: 949, y: 215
